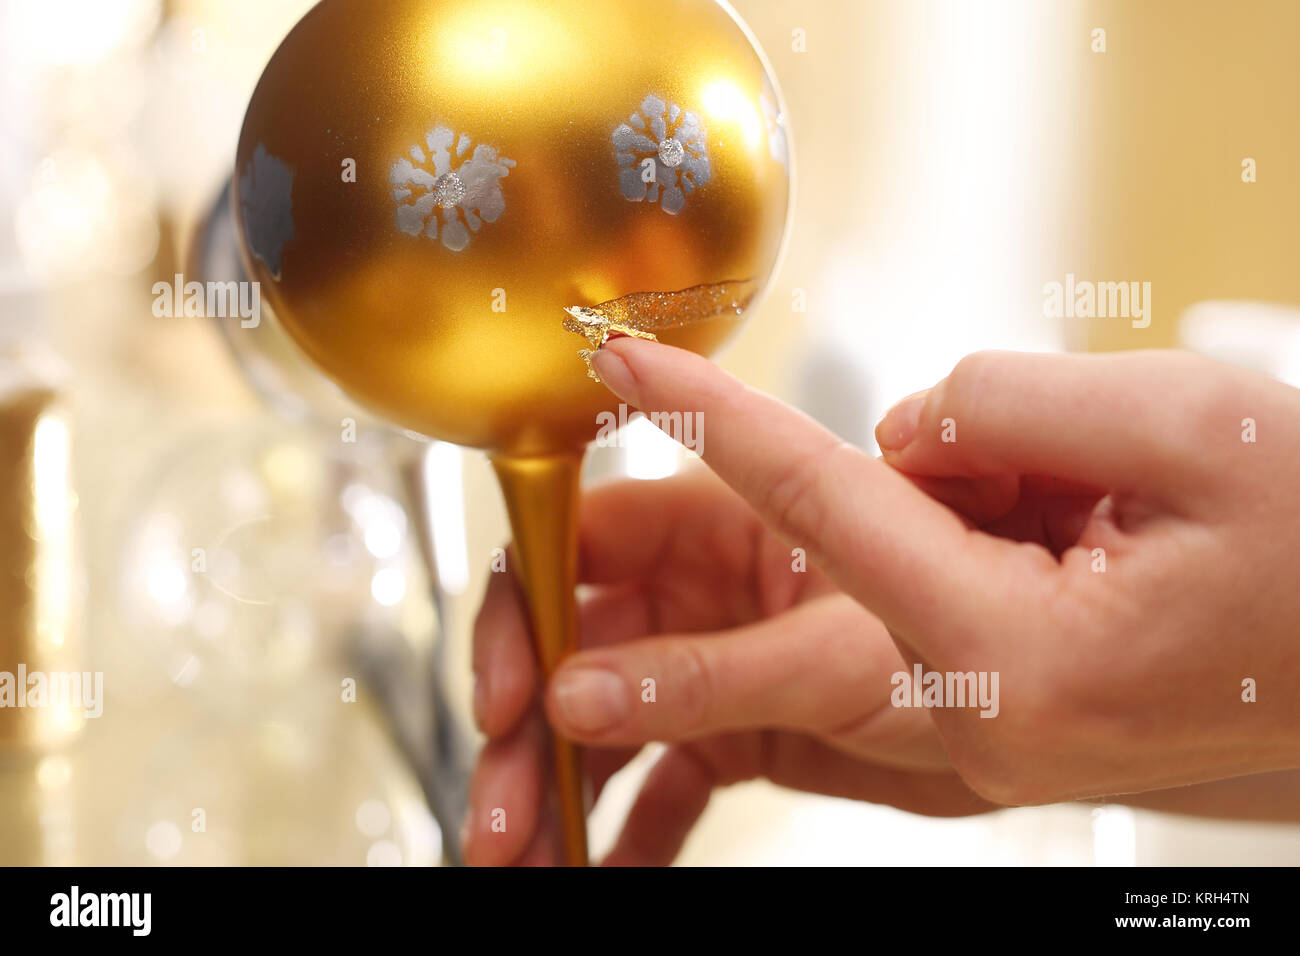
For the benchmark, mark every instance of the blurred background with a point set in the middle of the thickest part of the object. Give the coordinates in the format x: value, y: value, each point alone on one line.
x: 281, y: 618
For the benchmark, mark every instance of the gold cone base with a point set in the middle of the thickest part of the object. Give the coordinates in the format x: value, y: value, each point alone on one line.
x: 542, y: 500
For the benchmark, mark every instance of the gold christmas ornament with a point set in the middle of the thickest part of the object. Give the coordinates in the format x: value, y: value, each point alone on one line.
x: 423, y: 187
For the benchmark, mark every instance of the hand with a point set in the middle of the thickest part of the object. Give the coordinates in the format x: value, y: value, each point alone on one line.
x: 982, y: 553
x: 759, y: 670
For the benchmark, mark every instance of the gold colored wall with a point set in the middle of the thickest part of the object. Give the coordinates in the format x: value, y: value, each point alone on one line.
x: 1185, y: 91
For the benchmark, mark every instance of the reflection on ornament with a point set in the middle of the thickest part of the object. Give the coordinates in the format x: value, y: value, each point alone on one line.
x: 778, y: 141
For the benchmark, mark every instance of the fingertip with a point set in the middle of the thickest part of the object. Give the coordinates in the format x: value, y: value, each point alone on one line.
x: 655, y: 373
x: 496, y: 599
x: 899, y: 426
x: 628, y: 349
x: 615, y: 372
x: 505, y: 797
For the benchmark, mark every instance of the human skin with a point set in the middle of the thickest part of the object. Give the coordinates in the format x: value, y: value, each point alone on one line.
x: 975, y: 554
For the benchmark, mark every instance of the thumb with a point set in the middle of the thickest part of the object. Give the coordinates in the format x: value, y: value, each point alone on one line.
x: 1118, y: 423
x: 819, y: 667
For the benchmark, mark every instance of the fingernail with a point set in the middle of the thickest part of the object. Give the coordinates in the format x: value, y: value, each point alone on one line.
x: 590, y: 701
x: 618, y: 378
x: 897, y: 429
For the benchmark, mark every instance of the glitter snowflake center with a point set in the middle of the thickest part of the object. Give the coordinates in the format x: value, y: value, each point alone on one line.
x: 671, y: 152
x: 448, y: 190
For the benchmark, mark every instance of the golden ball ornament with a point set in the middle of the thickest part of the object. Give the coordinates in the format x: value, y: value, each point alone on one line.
x: 423, y: 187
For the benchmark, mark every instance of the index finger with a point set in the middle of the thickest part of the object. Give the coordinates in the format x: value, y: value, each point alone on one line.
x: 906, y: 557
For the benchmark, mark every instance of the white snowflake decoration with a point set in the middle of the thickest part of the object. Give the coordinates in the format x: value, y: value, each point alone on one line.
x: 468, y: 195
x: 663, y: 154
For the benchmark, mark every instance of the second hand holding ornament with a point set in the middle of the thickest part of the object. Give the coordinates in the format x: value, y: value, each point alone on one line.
x: 424, y: 187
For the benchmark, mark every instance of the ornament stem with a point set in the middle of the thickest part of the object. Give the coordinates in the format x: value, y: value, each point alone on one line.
x: 541, y: 497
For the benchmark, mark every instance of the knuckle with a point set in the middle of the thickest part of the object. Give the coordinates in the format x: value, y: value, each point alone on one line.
x: 973, y: 373
x: 693, y: 673
x: 1202, y: 399
x: 1213, y: 400
x: 792, y: 500
x: 963, y: 395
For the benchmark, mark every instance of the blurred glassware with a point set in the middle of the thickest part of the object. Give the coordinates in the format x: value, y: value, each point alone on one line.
x: 187, y: 808
x: 283, y: 377
x: 40, y: 579
x: 252, y: 552
x: 411, y: 671
x: 79, y: 191
x: 83, y: 215
x: 307, y: 781
x: 270, y: 574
